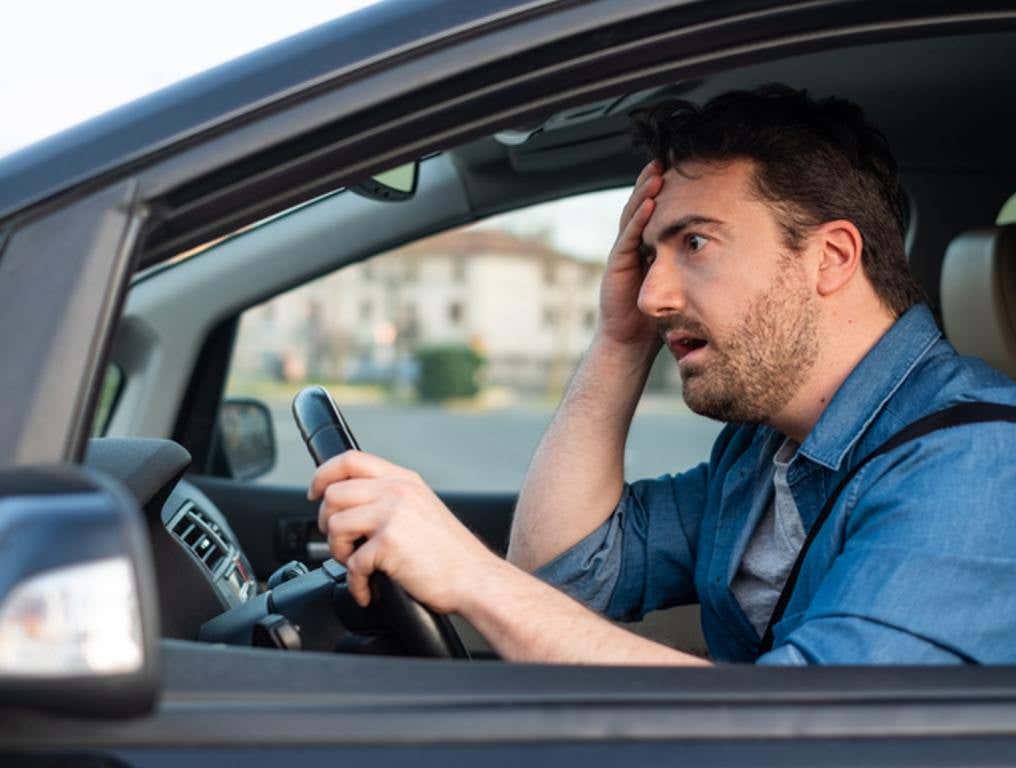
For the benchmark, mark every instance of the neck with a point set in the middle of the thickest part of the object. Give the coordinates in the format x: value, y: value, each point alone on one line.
x: 848, y: 335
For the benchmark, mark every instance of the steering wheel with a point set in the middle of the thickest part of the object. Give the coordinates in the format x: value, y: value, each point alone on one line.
x: 422, y: 632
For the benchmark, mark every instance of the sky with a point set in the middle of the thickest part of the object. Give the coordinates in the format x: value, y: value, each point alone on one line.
x: 584, y: 226
x: 64, y: 61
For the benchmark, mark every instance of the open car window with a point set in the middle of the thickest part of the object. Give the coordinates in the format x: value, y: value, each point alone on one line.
x: 112, y: 386
x: 450, y: 354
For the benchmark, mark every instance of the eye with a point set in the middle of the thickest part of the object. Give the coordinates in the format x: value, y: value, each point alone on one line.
x: 696, y: 242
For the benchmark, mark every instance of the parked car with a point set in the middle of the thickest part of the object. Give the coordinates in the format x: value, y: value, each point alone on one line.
x: 133, y: 564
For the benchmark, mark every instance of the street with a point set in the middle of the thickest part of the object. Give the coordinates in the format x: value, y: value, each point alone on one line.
x: 487, y: 451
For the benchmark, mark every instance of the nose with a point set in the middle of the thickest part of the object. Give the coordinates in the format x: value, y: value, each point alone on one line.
x: 662, y: 291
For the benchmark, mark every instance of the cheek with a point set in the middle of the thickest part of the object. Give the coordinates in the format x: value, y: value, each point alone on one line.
x: 727, y: 286
x: 725, y: 312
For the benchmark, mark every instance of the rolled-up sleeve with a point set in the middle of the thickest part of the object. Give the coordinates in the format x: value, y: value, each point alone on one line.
x: 589, y: 570
x: 643, y: 556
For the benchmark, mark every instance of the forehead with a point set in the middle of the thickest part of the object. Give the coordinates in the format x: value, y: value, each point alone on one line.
x: 713, y: 190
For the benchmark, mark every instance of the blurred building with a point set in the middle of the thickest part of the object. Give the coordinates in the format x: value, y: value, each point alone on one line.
x: 528, y: 308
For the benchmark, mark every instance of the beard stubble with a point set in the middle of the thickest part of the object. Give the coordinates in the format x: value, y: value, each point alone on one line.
x: 758, y: 367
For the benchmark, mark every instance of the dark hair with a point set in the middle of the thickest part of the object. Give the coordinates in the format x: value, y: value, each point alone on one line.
x: 815, y: 161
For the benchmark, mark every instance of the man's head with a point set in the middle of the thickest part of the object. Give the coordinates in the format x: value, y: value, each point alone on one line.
x: 779, y: 217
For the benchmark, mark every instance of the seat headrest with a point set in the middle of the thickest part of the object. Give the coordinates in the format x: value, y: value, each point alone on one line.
x: 979, y: 295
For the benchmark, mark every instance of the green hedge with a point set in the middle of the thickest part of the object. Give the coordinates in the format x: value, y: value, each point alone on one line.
x: 447, y: 371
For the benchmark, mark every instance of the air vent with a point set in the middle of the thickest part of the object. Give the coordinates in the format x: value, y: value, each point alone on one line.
x: 201, y: 535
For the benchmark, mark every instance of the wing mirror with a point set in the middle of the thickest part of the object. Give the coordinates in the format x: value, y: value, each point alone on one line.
x: 246, y: 438
x: 394, y: 185
x: 78, y: 605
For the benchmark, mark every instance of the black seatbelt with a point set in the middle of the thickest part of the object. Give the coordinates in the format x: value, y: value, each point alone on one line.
x: 957, y: 415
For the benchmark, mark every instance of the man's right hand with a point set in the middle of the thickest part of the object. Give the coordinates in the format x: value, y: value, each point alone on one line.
x: 621, y: 322
x: 577, y: 474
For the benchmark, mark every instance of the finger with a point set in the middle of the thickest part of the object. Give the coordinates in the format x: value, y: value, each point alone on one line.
x: 631, y: 204
x: 345, y: 530
x: 652, y: 168
x: 647, y: 189
x: 350, y: 464
x: 345, y: 494
x: 359, y: 567
x: 631, y: 236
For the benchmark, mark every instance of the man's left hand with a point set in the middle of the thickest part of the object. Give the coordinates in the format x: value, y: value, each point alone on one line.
x: 409, y: 533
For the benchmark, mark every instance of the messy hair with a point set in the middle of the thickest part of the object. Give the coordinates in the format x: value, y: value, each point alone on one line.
x: 814, y: 161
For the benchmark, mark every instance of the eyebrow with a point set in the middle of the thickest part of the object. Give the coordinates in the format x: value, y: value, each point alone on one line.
x: 674, y: 229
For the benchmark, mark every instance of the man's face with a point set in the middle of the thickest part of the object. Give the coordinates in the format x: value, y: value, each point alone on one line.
x: 734, y: 307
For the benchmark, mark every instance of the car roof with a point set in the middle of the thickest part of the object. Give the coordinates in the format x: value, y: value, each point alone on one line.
x: 252, y: 82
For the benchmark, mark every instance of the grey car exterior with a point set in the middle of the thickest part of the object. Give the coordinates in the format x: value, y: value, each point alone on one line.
x: 82, y: 212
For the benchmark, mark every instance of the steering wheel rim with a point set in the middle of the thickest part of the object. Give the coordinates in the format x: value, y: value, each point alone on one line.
x: 421, y: 631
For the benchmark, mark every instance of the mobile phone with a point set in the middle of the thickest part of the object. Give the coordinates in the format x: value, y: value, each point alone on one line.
x: 321, y: 424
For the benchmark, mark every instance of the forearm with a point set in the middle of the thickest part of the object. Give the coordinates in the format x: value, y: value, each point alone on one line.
x: 577, y: 472
x: 527, y: 620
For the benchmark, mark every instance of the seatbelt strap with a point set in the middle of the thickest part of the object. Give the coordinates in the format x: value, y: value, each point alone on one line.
x: 957, y: 415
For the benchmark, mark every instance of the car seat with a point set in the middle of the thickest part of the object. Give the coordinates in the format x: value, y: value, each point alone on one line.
x: 979, y: 295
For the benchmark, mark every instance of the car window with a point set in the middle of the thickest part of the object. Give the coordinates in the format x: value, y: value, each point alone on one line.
x: 112, y: 385
x: 450, y: 354
x: 1007, y: 214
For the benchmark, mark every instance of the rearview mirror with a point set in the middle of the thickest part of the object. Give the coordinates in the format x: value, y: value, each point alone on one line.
x: 78, y: 605
x: 394, y: 185
x: 246, y: 438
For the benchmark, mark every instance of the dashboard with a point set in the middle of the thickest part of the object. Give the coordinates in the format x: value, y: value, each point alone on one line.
x: 200, y: 568
x: 206, y: 585
x: 202, y: 532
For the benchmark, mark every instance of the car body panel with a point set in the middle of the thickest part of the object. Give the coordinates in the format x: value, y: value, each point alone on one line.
x: 210, y: 100
x: 75, y: 229
x: 62, y: 279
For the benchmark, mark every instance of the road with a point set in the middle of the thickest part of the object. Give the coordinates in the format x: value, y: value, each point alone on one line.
x: 487, y: 451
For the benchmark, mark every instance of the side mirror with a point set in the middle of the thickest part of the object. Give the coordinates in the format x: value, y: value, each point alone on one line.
x: 79, y: 611
x: 246, y: 438
x: 393, y: 185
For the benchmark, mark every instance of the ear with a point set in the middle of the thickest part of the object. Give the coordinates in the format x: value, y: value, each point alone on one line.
x: 839, y: 245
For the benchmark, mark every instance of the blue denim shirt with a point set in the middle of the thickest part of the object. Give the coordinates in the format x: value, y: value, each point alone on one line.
x: 915, y: 565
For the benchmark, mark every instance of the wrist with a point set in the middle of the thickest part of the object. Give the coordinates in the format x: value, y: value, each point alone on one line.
x: 488, y: 588
x: 626, y: 356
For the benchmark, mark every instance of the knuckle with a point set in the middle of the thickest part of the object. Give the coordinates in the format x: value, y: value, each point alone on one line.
x: 328, y: 469
x: 334, y: 525
x: 332, y: 494
x: 384, y: 537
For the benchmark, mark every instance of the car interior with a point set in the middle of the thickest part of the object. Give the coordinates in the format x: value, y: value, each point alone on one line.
x: 944, y: 103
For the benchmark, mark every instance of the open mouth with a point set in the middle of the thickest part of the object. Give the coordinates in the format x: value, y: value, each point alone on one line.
x: 682, y: 345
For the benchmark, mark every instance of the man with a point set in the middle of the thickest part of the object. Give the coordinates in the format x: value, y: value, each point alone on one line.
x: 764, y: 247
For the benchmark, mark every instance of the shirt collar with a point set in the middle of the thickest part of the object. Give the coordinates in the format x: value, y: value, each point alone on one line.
x: 869, y: 386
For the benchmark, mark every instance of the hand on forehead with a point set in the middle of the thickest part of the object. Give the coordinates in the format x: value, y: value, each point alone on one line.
x: 699, y: 191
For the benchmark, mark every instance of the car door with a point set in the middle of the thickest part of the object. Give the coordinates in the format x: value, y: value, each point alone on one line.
x: 72, y: 232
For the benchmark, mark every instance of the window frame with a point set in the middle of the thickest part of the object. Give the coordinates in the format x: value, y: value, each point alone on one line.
x: 745, y: 703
